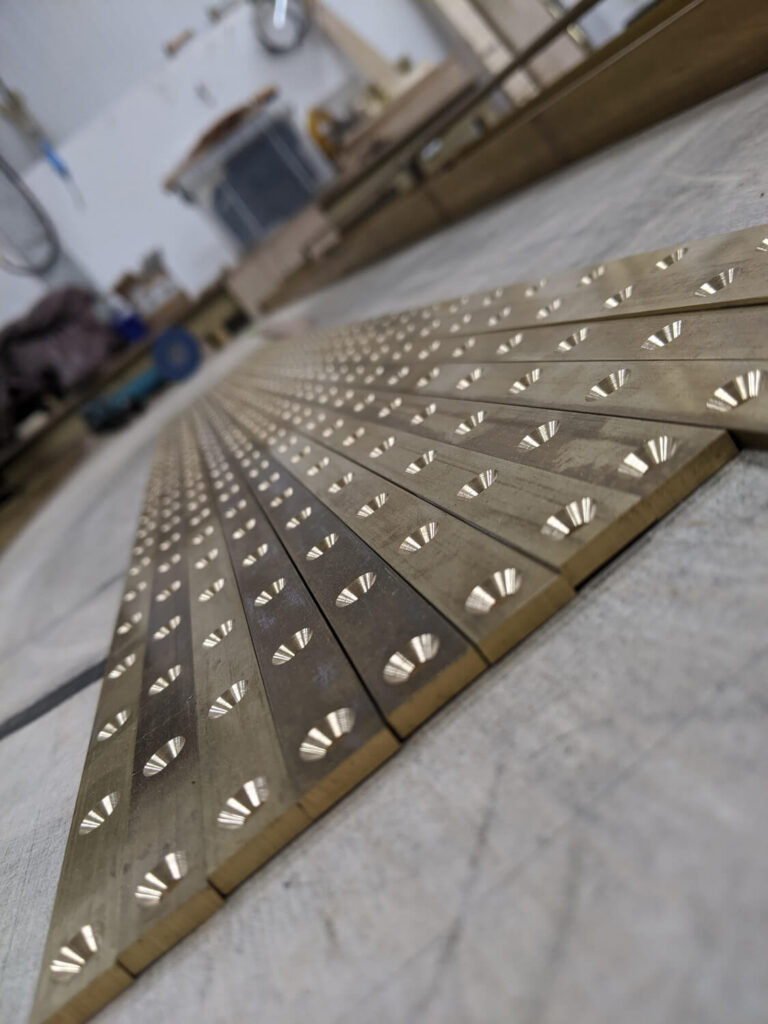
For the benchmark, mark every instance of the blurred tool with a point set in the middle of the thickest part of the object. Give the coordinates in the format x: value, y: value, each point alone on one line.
x: 176, y: 355
x: 13, y: 107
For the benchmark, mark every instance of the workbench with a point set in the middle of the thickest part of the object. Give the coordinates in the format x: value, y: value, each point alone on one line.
x: 581, y: 836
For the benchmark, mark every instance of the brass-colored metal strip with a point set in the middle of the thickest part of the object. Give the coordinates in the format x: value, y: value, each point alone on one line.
x: 726, y: 394
x: 250, y: 804
x: 494, y: 595
x: 376, y: 615
x: 661, y: 461
x: 165, y: 892
x: 79, y: 973
x: 330, y: 733
x: 732, y: 333
x: 561, y: 521
x: 722, y: 270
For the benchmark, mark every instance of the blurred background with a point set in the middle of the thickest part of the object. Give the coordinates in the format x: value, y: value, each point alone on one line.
x: 169, y: 171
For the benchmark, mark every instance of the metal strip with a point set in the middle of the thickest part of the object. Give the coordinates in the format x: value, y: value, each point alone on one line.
x: 250, y: 803
x: 718, y: 393
x: 372, y: 611
x: 314, y: 694
x: 165, y: 892
x: 494, y: 595
x: 722, y: 270
x: 79, y: 973
x: 514, y: 503
x: 662, y: 461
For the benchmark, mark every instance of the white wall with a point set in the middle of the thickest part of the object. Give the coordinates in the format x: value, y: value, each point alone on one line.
x: 73, y: 58
x: 124, y: 147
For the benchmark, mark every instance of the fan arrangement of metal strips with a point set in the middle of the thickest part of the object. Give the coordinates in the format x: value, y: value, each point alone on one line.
x: 347, y: 531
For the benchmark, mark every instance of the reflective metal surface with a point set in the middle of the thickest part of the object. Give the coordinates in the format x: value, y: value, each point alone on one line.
x: 347, y: 531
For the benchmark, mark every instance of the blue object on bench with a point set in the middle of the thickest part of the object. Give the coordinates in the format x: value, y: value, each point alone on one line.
x: 176, y: 355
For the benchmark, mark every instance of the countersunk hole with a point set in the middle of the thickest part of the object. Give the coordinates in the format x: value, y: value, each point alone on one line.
x: 278, y: 499
x: 573, y: 340
x: 74, y: 954
x: 505, y: 347
x: 661, y: 338
x: 354, y: 436
x: 266, y: 484
x: 620, y: 296
x: 548, y: 310
x: 341, y: 483
x: 122, y: 667
x: 736, y: 392
x: 532, y: 289
x: 326, y: 733
x: 421, y: 463
x: 127, y: 626
x: 497, y: 588
x: 99, y: 813
x: 210, y: 592
x: 394, y: 378
x: 356, y: 589
x: 375, y: 503
x: 253, y: 557
x: 242, y: 804
x: 543, y: 433
x: 241, y: 531
x: 469, y: 380
x: 417, y: 652
x: 470, y: 423
x: 163, y: 682
x: 168, y: 628
x: 201, y: 563
x: 285, y: 652
x: 169, y: 591
x: 274, y: 588
x: 423, y: 414
x: 433, y: 346
x: 570, y: 518
x: 524, y: 382
x: 672, y: 258
x: 162, y: 879
x: 228, y: 699
x: 428, y: 377
x: 319, y: 549
x: 299, y: 518
x: 114, y: 725
x: 608, y: 385
x: 219, y: 634
x: 472, y: 488
x: 382, y: 447
x: 419, y: 538
x: 163, y: 756
x: 716, y: 284
x: 762, y: 246
x: 592, y: 275
x: 654, y: 452
x: 301, y: 454
x: 461, y: 350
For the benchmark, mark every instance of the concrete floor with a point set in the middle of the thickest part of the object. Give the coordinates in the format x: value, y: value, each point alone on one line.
x: 582, y: 835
